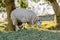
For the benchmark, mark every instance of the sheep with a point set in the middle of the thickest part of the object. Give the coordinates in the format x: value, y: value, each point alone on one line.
x: 24, y: 16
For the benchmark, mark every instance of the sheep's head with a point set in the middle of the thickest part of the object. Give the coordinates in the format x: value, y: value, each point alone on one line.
x: 38, y: 23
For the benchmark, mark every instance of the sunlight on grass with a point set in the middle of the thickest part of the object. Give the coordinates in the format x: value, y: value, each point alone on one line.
x: 2, y: 29
x: 45, y: 25
x: 2, y: 24
x: 1, y: 20
x: 26, y: 26
x: 48, y: 24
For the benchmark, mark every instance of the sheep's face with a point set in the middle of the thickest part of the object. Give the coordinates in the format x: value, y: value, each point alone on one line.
x: 38, y: 23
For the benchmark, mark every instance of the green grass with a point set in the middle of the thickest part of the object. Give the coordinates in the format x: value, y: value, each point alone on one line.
x: 30, y: 35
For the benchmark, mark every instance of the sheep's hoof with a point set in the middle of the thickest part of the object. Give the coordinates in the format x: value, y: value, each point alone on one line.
x: 17, y: 29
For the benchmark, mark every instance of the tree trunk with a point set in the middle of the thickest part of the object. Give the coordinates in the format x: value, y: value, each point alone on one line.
x: 57, y: 11
x: 9, y: 7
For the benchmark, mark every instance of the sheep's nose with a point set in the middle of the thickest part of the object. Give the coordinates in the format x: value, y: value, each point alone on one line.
x: 39, y: 24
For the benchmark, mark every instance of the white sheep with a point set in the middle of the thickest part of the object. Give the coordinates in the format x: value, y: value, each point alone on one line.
x: 24, y: 16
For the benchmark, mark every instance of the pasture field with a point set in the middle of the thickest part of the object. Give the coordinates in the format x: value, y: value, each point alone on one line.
x: 47, y: 22
x: 30, y: 33
x: 34, y: 33
x: 45, y: 25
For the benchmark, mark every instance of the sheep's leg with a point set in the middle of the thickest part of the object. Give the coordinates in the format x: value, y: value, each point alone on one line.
x: 23, y: 24
x: 32, y: 21
x: 16, y: 25
x: 17, y: 28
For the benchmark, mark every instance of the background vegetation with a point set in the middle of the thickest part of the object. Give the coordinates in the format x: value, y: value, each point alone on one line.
x: 29, y: 33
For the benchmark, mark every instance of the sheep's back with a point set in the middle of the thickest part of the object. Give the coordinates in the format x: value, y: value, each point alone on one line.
x: 24, y: 15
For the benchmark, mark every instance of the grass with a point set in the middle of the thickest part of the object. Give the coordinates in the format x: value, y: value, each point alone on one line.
x: 48, y: 24
x: 30, y: 35
x: 45, y: 25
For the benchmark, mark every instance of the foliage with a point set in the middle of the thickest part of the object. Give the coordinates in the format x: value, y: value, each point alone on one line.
x: 2, y: 5
x: 51, y: 1
x: 23, y: 3
x: 0, y: 1
x: 35, y: 0
x: 8, y: 1
x: 5, y: 2
x: 47, y: 1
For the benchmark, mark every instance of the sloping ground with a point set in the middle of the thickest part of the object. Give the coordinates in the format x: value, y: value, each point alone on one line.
x: 30, y: 35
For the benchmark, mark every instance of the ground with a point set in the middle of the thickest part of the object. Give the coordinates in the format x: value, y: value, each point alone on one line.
x: 33, y: 33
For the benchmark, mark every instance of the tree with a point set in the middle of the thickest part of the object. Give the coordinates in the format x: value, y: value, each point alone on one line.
x: 57, y: 11
x: 10, y: 5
